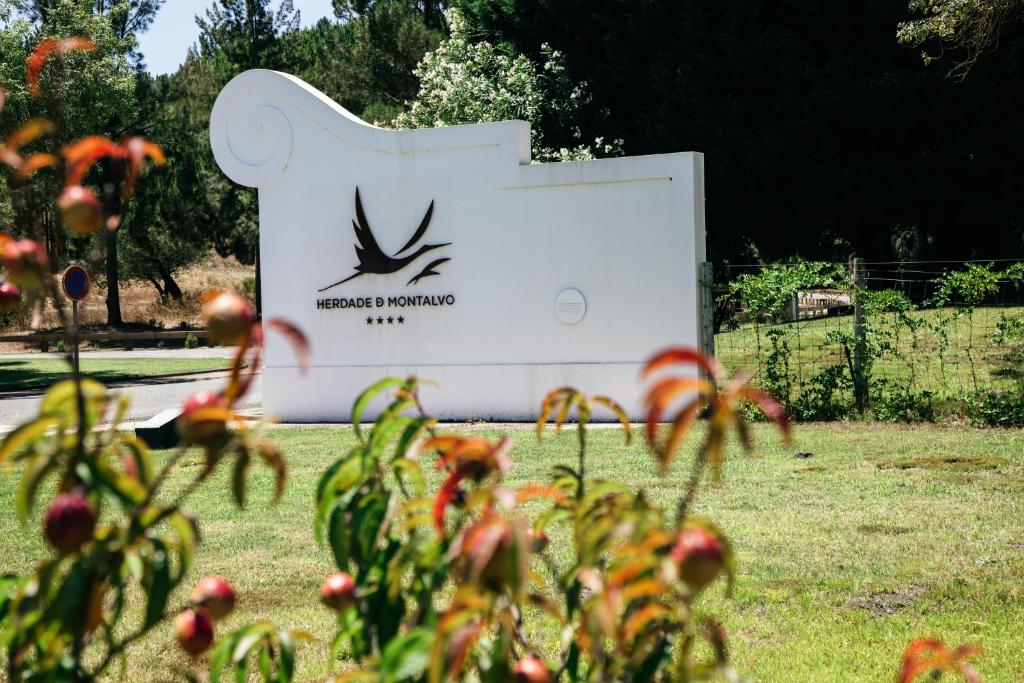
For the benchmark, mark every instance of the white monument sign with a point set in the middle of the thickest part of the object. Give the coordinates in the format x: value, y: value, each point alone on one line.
x: 447, y: 254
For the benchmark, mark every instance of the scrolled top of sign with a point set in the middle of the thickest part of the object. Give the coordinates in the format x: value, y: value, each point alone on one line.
x: 251, y: 138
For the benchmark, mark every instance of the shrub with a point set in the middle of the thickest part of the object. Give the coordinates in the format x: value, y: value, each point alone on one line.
x: 996, y: 408
x: 191, y: 341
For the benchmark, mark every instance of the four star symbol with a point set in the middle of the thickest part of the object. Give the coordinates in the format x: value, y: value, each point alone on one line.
x: 390, y: 320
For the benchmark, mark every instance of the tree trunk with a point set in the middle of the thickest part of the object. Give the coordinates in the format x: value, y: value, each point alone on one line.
x: 171, y: 287
x: 113, y: 280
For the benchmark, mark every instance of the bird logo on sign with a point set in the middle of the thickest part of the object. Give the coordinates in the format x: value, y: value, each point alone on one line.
x: 372, y: 258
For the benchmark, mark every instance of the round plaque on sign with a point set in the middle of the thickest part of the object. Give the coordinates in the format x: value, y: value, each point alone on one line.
x: 75, y: 283
x: 570, y: 306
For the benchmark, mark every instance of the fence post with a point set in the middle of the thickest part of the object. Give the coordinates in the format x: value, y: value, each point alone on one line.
x: 858, y: 282
x: 706, y: 282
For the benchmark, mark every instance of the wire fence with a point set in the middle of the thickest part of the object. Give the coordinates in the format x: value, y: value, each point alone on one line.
x: 946, y: 329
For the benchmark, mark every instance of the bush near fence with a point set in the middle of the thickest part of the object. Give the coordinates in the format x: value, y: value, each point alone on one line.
x: 911, y: 341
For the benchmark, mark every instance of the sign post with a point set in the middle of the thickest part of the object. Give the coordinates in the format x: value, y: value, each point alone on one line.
x: 76, y: 285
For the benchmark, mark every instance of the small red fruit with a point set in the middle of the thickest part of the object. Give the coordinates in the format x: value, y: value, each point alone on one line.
x: 203, y: 418
x: 228, y: 317
x: 531, y: 669
x: 338, y: 591
x: 216, y: 595
x: 25, y: 262
x: 80, y: 210
x: 700, y: 556
x: 69, y: 522
x: 10, y: 297
x: 194, y: 629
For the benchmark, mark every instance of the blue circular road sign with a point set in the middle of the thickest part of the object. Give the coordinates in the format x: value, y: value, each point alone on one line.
x: 75, y: 282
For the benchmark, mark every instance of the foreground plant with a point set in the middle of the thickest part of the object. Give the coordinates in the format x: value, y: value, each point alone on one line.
x: 116, y: 534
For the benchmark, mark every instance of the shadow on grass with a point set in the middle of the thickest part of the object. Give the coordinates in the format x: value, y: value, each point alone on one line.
x: 21, y: 375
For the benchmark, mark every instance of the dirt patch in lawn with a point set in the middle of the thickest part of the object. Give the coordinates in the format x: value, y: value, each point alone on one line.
x: 945, y: 463
x: 884, y: 529
x: 888, y: 603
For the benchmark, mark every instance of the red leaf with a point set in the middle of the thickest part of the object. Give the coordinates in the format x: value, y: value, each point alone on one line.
x: 773, y: 410
x: 137, y: 149
x: 685, y: 356
x: 82, y: 154
x: 444, y: 497
x: 43, y: 51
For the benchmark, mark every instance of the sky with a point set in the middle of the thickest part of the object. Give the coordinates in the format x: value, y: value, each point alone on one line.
x: 174, y: 30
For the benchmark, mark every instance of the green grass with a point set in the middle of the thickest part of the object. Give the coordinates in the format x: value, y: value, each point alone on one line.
x: 921, y: 364
x: 39, y: 373
x: 884, y: 534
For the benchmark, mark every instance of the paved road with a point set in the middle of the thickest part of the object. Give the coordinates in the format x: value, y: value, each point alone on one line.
x: 148, y: 398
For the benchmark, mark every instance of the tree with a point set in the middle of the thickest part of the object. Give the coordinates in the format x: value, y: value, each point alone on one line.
x: 972, y: 27
x: 167, y: 225
x: 472, y: 82
x: 366, y: 60
x: 236, y: 35
x: 820, y: 131
x: 81, y: 94
x: 246, y: 32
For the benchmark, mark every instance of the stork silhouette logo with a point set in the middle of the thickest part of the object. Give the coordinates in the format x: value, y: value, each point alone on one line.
x: 372, y: 258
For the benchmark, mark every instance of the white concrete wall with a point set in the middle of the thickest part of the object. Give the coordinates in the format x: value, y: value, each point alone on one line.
x: 628, y: 233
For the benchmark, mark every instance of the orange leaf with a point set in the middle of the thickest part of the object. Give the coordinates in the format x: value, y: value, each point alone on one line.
x: 82, y: 154
x: 33, y: 163
x: 535, y: 491
x: 639, y: 620
x: 685, y: 356
x: 931, y: 655
x: 773, y: 410
x: 43, y: 51
x: 662, y: 394
x: 620, y: 413
x: 680, y: 428
x: 28, y: 132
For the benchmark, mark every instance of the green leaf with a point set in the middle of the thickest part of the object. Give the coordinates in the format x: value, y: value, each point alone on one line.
x: 368, y: 395
x: 33, y: 476
x: 286, y: 669
x: 340, y: 534
x: 220, y: 656
x: 139, y: 452
x: 412, y: 431
x: 187, y: 542
x: 370, y: 515
x: 238, y: 477
x: 411, y: 469
x: 407, y: 656
x: 158, y: 585
x: 248, y: 637
x: 385, y: 429
x: 26, y: 435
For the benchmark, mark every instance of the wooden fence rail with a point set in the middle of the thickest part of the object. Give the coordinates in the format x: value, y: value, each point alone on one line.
x: 44, y: 339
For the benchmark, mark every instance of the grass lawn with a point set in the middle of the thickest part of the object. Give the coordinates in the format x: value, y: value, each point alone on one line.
x: 34, y: 374
x: 919, y: 360
x: 885, y: 534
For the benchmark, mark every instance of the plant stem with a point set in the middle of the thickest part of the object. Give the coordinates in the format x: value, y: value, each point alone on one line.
x: 699, y: 463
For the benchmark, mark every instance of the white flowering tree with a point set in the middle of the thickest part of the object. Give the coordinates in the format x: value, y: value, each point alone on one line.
x: 476, y: 82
